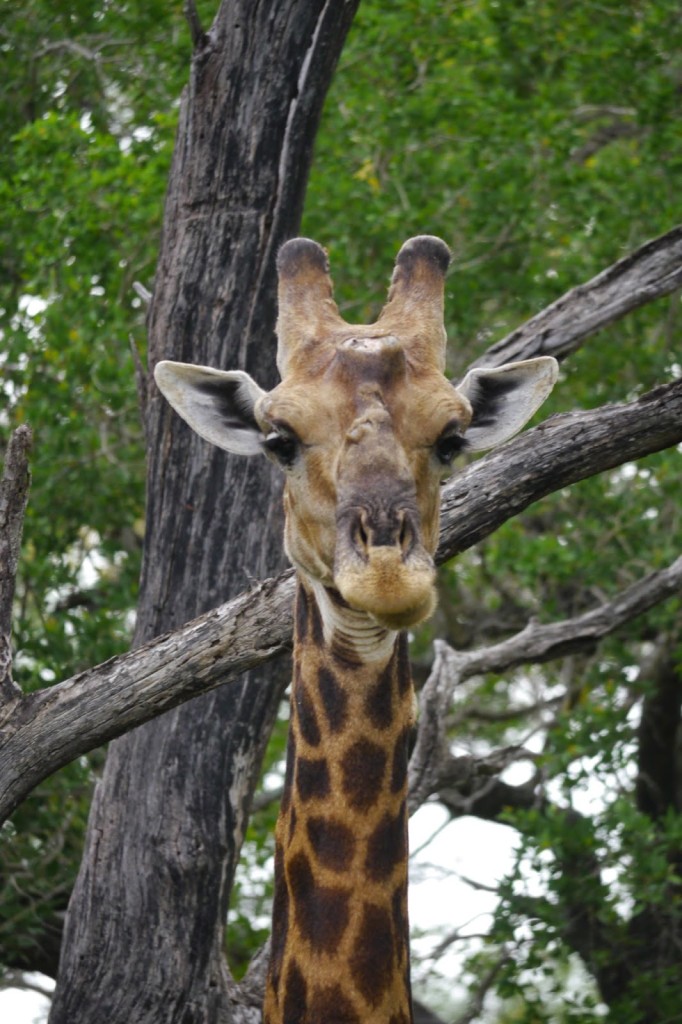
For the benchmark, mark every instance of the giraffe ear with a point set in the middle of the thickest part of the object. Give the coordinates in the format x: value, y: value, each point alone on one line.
x: 217, y: 404
x: 504, y: 399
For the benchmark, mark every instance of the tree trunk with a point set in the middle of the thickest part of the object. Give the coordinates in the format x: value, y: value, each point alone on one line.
x: 143, y: 939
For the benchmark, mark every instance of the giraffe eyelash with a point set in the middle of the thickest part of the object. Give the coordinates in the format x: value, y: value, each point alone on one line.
x: 450, y: 444
x: 284, y: 446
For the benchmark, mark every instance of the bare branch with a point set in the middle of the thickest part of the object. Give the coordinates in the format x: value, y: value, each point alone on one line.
x: 92, y: 52
x: 196, y: 30
x: 69, y: 46
x: 142, y: 293
x: 604, y: 136
x: 472, y: 785
x: 508, y: 714
x: 432, y: 749
x: 431, y: 759
x: 251, y: 989
x: 594, y: 111
x: 266, y: 798
x: 50, y: 727
x: 24, y: 981
x: 538, y: 643
x: 561, y: 451
x: 653, y: 270
x: 14, y: 487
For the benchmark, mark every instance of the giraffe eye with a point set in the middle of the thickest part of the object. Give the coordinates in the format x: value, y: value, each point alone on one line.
x: 449, y: 444
x: 283, y: 446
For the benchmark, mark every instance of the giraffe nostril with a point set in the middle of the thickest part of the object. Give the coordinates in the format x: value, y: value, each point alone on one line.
x: 360, y: 535
x: 406, y: 536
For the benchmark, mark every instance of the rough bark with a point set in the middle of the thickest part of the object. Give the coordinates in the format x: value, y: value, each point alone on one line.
x: 48, y: 728
x: 144, y: 934
x: 659, y: 760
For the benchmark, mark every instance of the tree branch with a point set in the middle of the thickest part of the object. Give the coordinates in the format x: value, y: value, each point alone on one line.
x: 196, y: 29
x: 49, y: 728
x: 653, y: 270
x: 604, y: 136
x: 559, y: 452
x: 24, y: 981
x: 14, y: 487
x: 431, y: 759
x: 470, y: 785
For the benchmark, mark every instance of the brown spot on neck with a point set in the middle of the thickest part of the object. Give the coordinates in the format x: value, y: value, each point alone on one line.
x: 321, y: 911
x: 373, y: 961
x: 334, y: 699
x: 364, y: 768
x: 379, y: 699
x: 312, y: 778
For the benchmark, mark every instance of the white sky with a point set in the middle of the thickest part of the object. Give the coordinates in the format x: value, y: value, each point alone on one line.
x: 23, y: 1007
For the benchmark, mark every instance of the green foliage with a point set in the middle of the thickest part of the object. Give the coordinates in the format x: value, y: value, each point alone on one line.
x: 87, y: 109
x: 469, y: 120
x: 84, y: 165
x: 541, y: 140
x: 40, y: 850
x: 591, y: 860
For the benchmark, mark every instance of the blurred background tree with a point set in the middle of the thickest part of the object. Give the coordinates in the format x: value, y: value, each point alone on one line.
x: 541, y: 140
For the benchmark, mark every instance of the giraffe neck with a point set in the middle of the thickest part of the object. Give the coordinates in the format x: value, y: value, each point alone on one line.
x: 340, y: 933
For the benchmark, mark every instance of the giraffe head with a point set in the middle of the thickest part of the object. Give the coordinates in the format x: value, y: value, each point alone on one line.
x: 364, y: 425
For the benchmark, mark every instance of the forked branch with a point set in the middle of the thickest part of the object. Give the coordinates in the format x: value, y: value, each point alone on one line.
x: 431, y: 766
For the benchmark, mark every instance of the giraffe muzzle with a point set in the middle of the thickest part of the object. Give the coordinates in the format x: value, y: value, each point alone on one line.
x: 382, y: 568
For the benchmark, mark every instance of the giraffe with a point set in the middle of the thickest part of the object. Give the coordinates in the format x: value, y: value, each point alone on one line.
x: 365, y: 426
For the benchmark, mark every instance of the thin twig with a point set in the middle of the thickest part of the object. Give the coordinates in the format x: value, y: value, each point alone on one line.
x: 266, y: 798
x: 142, y: 292
x: 196, y: 30
x: 18, y: 979
x: 475, y: 1007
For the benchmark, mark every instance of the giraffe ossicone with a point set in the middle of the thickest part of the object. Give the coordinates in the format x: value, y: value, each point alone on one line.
x: 365, y: 426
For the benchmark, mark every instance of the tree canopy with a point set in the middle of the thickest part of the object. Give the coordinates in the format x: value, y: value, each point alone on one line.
x: 541, y: 141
